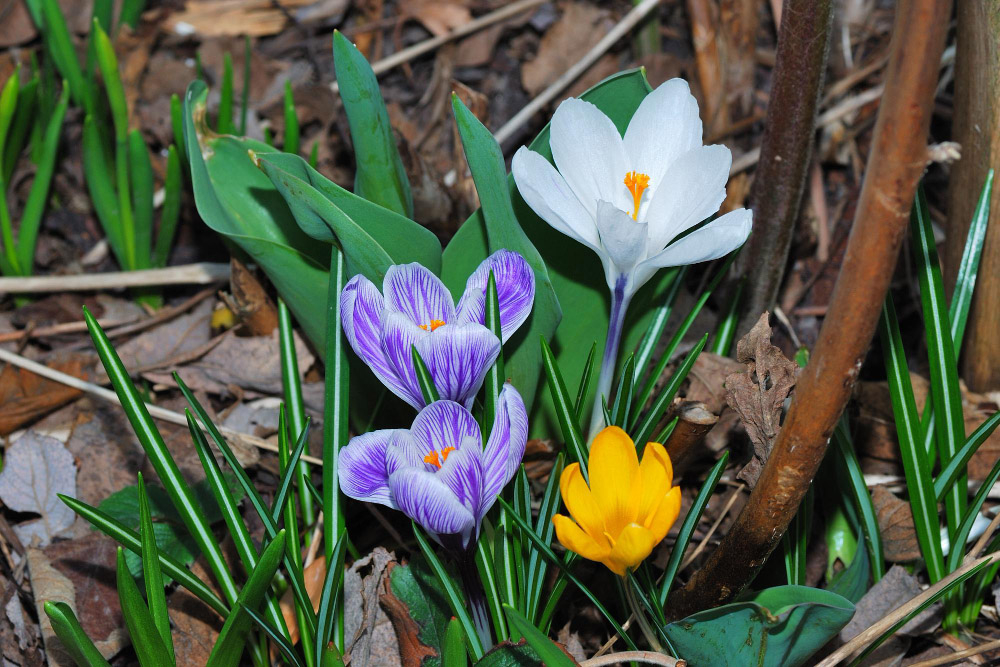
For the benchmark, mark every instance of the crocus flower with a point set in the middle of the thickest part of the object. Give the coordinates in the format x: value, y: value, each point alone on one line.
x: 439, y: 473
x: 630, y: 198
x: 628, y: 507
x: 415, y: 308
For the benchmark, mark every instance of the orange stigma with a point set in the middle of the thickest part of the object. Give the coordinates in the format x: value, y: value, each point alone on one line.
x: 636, y: 184
x: 432, y: 458
x: 431, y: 327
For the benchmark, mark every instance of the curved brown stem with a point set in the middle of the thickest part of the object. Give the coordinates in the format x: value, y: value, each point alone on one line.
x: 895, y: 164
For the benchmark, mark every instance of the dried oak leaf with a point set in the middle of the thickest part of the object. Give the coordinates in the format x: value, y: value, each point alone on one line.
x: 36, y: 469
x: 24, y: 396
x: 895, y: 523
x: 757, y: 393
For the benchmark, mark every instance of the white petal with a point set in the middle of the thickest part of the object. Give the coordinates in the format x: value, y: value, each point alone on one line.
x: 693, y: 189
x: 624, y: 239
x: 664, y: 127
x: 589, y: 153
x: 550, y: 197
x: 716, y: 239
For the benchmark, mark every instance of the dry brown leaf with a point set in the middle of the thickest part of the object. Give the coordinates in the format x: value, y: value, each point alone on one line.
x: 312, y: 578
x: 367, y: 628
x: 195, y: 627
x: 50, y: 585
x: 580, y: 27
x: 36, y: 469
x: 757, y: 394
x: 411, y: 650
x: 212, y: 18
x: 250, y: 301
x: 24, y: 396
x: 439, y: 16
x: 707, y: 380
x: 895, y: 523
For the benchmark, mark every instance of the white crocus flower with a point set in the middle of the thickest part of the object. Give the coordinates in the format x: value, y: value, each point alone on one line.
x: 628, y: 198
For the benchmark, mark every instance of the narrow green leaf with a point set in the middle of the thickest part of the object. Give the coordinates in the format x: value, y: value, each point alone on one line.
x: 550, y: 654
x: 131, y: 11
x: 288, y: 475
x: 956, y: 467
x: 166, y: 468
x: 287, y: 650
x: 623, y: 394
x: 245, y: 96
x: 141, y: 178
x: 100, y: 185
x: 576, y: 448
x: 424, y: 379
x: 331, y: 596
x: 171, y: 209
x: 583, y: 390
x: 291, y: 381
x: 795, y: 541
x: 146, y: 640
x: 177, y: 123
x: 647, y: 346
x: 959, y: 538
x: 151, y: 573
x: 689, y: 525
x: 108, y: 62
x: 495, y: 376
x: 380, y: 176
x: 291, y: 122
x: 60, y: 46
x: 644, y: 429
x: 225, y: 120
x: 453, y: 652
x: 916, y: 466
x: 848, y: 462
x: 538, y: 566
x: 72, y: 635
x: 725, y: 330
x: 130, y: 539
x: 968, y: 268
x: 451, y: 591
x: 232, y: 638
x: 487, y: 575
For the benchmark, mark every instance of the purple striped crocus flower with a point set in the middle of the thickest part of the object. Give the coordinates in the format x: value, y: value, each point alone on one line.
x: 439, y: 472
x: 415, y: 308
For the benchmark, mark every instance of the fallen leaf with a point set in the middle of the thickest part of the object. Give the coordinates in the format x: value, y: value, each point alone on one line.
x: 25, y: 396
x: 312, y: 578
x: 758, y: 393
x: 367, y: 629
x: 895, y: 523
x: 15, y: 614
x: 580, y: 27
x: 439, y: 16
x: 250, y: 301
x: 195, y: 627
x: 168, y: 340
x: 224, y: 17
x: 412, y: 651
x: 36, y: 468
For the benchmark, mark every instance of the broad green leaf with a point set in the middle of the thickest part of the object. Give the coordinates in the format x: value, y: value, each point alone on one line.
x: 575, y: 271
x: 373, y: 237
x: 453, y: 653
x: 547, y: 651
x: 416, y: 585
x: 380, y: 176
x: 239, y: 202
x: 507, y: 654
x: 779, y: 627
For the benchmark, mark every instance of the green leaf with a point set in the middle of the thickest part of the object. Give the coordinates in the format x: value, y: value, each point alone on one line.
x: 372, y: 237
x: 330, y: 595
x: 575, y: 272
x: 291, y: 122
x: 416, y: 585
x: 779, y: 627
x: 171, y: 209
x: 225, y: 121
x: 968, y: 268
x: 60, y: 46
x: 576, y: 448
x: 152, y: 575
x: 795, y: 541
x: 548, y: 652
x: 141, y: 172
x: 644, y: 429
x: 239, y: 202
x: 72, y: 635
x: 852, y: 582
x: 956, y: 467
x: 453, y: 650
x: 232, y: 638
x: 291, y: 382
x: 142, y: 629
x: 380, y: 176
x: 507, y: 654
x: 850, y: 468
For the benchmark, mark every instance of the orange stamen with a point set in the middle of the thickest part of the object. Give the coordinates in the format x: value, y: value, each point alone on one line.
x: 432, y: 326
x: 432, y: 458
x: 636, y: 184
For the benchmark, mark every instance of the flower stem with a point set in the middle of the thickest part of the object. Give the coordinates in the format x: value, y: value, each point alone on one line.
x: 640, y: 614
x: 475, y: 596
x: 619, y: 304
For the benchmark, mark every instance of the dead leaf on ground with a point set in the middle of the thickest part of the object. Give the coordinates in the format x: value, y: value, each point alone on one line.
x: 412, y: 651
x: 707, y: 380
x: 758, y: 393
x: 195, y: 627
x: 439, y: 16
x: 101, y: 432
x: 36, y: 468
x: 312, y: 577
x: 895, y: 523
x: 212, y: 18
x: 168, y: 340
x: 580, y: 27
x: 25, y: 396
x: 368, y: 630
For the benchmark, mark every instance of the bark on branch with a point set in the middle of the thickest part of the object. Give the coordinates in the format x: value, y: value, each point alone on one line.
x: 895, y: 164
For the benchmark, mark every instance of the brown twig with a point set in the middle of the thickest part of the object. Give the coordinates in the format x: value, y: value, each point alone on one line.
x: 646, y: 657
x: 188, y: 274
x: 776, y: 195
x: 960, y: 655
x: 895, y: 164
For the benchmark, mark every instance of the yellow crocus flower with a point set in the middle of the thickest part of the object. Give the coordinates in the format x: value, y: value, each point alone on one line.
x: 628, y: 507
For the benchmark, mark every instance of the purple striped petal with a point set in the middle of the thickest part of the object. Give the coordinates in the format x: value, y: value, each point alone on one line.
x: 505, y: 448
x: 462, y: 472
x: 362, y: 467
x: 445, y: 424
x: 399, y: 335
x: 458, y: 358
x: 361, y: 311
x: 427, y: 500
x: 413, y: 290
x: 405, y: 451
x: 515, y: 291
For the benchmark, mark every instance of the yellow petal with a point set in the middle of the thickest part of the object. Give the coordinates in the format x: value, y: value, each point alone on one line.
x: 580, y: 502
x: 656, y: 473
x: 573, y: 538
x: 614, y: 478
x: 634, y: 543
x: 666, y: 514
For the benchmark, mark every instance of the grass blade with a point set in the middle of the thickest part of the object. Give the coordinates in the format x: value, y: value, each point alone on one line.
x: 291, y: 381
x: 847, y: 462
x: 537, y: 566
x: 331, y: 595
x: 453, y: 652
x: 424, y: 379
x: 171, y: 209
x: 623, y: 394
x: 968, y: 268
x: 484, y: 565
x: 647, y: 346
x: 141, y: 171
x: 568, y: 422
x: 67, y: 627
x: 584, y: 388
x: 151, y: 573
x: 141, y: 627
x: 225, y: 123
x: 166, y: 468
x: 956, y: 467
x: 495, y: 376
x: 725, y: 331
x: 291, y: 122
x: 550, y: 654
x: 287, y: 650
x: 645, y: 427
x: 795, y: 541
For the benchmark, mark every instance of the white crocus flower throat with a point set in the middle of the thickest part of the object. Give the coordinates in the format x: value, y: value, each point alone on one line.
x: 628, y: 197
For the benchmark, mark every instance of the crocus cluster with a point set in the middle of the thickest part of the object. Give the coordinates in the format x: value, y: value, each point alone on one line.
x: 439, y: 472
x: 416, y: 309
